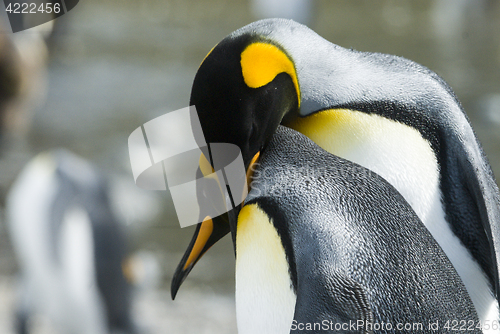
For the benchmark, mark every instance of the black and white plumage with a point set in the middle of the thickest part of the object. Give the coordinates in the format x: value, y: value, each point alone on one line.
x: 70, y: 247
x: 388, y: 114
x: 321, y: 240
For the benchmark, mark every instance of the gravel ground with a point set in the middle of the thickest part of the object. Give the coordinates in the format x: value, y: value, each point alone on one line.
x: 193, y: 311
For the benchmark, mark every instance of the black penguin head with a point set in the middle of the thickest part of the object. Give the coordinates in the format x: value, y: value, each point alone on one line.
x: 242, y: 91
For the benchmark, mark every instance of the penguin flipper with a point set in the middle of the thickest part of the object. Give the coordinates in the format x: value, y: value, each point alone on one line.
x: 330, y: 301
x: 486, y: 196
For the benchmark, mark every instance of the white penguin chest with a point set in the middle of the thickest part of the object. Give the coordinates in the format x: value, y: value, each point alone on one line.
x: 265, y: 301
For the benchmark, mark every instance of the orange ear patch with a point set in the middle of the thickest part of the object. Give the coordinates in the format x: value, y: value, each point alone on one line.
x: 262, y: 62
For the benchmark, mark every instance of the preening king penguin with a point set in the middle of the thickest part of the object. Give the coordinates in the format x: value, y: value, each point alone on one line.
x: 70, y: 247
x: 386, y: 113
x: 322, y: 242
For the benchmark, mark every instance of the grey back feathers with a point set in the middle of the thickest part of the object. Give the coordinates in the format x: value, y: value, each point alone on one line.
x: 356, y: 250
x: 330, y: 76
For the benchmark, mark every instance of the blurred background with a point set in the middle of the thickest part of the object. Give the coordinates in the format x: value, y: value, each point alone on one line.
x: 110, y: 66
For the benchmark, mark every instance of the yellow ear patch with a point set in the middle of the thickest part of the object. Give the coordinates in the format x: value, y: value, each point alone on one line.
x: 262, y: 62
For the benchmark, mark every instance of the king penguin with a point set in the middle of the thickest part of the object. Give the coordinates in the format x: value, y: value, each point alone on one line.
x: 324, y: 245
x: 386, y: 113
x: 70, y: 247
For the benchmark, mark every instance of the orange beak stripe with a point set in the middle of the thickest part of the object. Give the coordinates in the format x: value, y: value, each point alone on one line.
x: 206, y: 229
x: 205, y: 166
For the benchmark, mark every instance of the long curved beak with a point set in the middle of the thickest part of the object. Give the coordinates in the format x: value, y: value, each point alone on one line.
x: 208, y: 233
x: 205, y: 236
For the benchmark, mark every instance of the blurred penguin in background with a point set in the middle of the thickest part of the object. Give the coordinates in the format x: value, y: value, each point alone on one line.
x: 68, y: 242
x: 70, y: 247
x: 24, y: 59
x: 10, y: 77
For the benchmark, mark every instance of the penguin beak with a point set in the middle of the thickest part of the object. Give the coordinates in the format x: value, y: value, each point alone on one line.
x: 208, y: 232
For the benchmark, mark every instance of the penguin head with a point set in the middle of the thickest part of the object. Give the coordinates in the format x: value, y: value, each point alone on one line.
x: 243, y: 89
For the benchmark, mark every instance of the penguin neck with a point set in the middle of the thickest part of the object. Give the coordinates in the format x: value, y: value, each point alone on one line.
x: 382, y: 145
x: 265, y: 300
